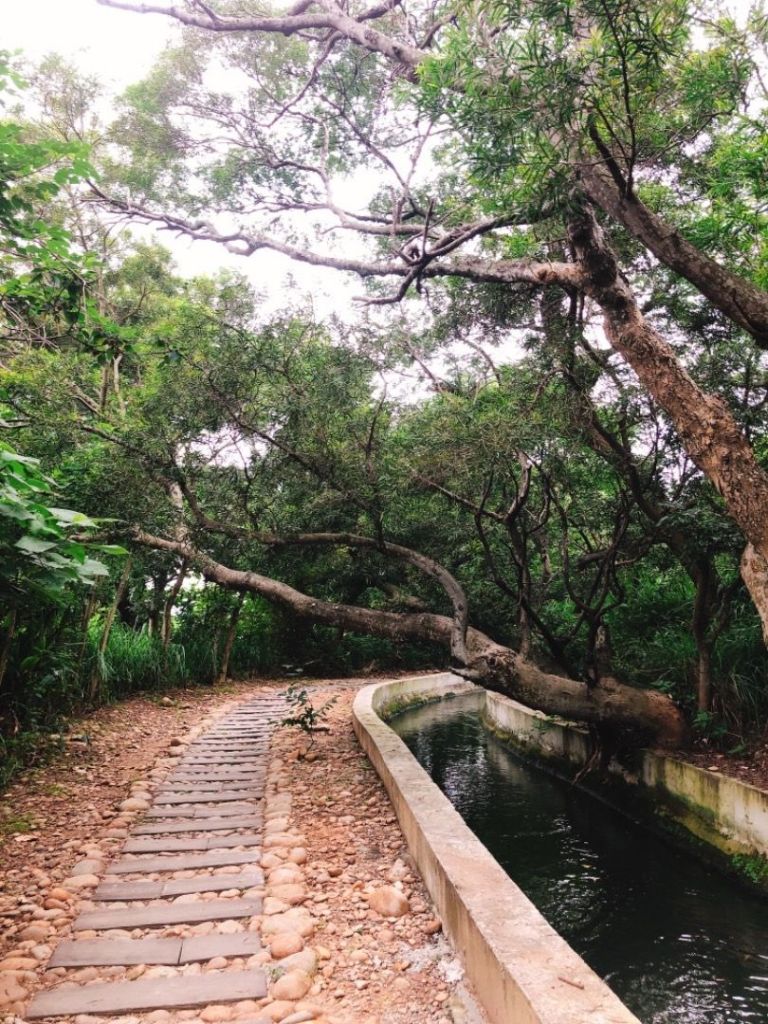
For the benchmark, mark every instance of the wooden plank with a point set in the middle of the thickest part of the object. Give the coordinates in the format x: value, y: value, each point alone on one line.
x: 170, y: 913
x: 201, y: 825
x: 148, y: 994
x: 110, y: 891
x: 206, y: 947
x: 171, y: 844
x: 210, y: 809
x: 170, y: 797
x: 151, y: 865
x: 218, y: 775
x: 126, y: 952
x: 116, y: 952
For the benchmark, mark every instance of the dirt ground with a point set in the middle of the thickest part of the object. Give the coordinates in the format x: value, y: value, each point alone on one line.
x: 750, y: 767
x: 371, y: 969
x: 48, y: 813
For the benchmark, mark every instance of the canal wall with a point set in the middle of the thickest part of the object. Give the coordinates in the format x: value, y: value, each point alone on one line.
x: 522, y: 971
x: 729, y: 815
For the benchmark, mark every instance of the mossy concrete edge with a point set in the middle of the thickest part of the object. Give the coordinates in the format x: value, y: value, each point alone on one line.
x: 728, y: 815
x: 522, y: 971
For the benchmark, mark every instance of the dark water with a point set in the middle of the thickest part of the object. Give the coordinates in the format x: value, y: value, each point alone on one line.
x: 676, y: 941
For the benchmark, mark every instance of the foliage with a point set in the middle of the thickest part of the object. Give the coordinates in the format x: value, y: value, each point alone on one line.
x: 752, y: 866
x: 38, y: 555
x: 525, y: 458
x: 305, y: 715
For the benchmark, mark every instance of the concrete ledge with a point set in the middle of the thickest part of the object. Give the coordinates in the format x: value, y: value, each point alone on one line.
x: 724, y: 812
x: 523, y: 972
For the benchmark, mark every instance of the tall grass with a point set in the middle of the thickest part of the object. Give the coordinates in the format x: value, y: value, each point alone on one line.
x: 135, y: 661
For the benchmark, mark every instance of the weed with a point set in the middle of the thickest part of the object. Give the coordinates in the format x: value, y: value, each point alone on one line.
x: 305, y: 715
x: 753, y: 866
x: 17, y: 826
x: 55, y: 789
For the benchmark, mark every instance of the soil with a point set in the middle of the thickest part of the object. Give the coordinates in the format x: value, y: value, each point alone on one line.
x: 50, y: 812
x: 379, y: 971
x: 750, y: 767
x: 372, y: 969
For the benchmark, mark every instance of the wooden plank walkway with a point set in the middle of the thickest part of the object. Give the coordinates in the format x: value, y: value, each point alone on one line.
x: 216, y: 786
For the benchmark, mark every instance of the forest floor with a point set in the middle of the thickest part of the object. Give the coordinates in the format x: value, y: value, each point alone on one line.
x: 750, y: 765
x: 371, y: 969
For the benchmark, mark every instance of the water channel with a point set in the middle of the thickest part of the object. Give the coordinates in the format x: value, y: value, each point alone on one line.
x: 678, y: 942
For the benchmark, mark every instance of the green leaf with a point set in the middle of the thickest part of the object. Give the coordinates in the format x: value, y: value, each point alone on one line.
x: 34, y: 545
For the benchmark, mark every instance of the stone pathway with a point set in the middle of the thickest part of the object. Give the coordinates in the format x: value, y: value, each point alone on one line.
x: 187, y: 888
x: 326, y: 920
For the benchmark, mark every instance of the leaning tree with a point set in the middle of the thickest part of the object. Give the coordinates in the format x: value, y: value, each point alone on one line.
x: 558, y: 132
x: 573, y: 150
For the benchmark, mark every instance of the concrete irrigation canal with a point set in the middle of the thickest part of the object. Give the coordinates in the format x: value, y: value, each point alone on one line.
x: 564, y: 908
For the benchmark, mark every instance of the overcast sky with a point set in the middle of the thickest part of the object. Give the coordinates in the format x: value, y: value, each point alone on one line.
x: 120, y: 47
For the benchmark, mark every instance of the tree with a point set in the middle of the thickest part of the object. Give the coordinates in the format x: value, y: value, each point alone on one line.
x: 573, y: 121
x: 245, y: 443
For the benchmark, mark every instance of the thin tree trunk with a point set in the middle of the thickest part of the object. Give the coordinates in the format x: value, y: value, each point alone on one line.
x: 122, y: 586
x: 700, y: 623
x: 8, y: 643
x: 88, y: 609
x: 171, y: 602
x: 229, y: 640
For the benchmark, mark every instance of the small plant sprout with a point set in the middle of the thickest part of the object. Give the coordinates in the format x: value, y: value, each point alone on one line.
x: 304, y: 715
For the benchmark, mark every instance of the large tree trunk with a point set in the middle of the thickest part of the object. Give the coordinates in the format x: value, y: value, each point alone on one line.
x: 707, y: 429
x: 644, y: 715
x: 743, y: 302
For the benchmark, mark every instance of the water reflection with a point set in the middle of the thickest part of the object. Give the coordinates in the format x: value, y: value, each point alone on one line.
x: 678, y: 942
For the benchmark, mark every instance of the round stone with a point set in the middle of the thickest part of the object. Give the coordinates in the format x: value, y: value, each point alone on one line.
x: 293, y: 985
x: 388, y: 902
x: 37, y: 932
x: 285, y: 876
x: 285, y: 944
x: 278, y: 1010
x: 213, y: 1014
x: 87, y: 867
x: 81, y: 882
x: 290, y: 894
x: 134, y: 804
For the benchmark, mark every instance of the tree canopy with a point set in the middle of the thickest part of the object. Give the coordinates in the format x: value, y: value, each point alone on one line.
x: 539, y: 447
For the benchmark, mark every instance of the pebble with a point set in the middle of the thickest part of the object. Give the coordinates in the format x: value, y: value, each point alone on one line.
x: 60, y: 894
x: 80, y: 882
x: 18, y: 963
x: 305, y: 960
x: 86, y: 867
x: 11, y: 992
x: 134, y: 804
x: 277, y: 1010
x: 291, y: 894
x: 388, y: 902
x: 292, y: 985
x: 285, y: 876
x: 213, y: 1014
x: 294, y: 920
x: 36, y: 932
x: 285, y: 944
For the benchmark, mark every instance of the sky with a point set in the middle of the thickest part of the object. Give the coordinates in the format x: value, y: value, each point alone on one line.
x: 120, y: 47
